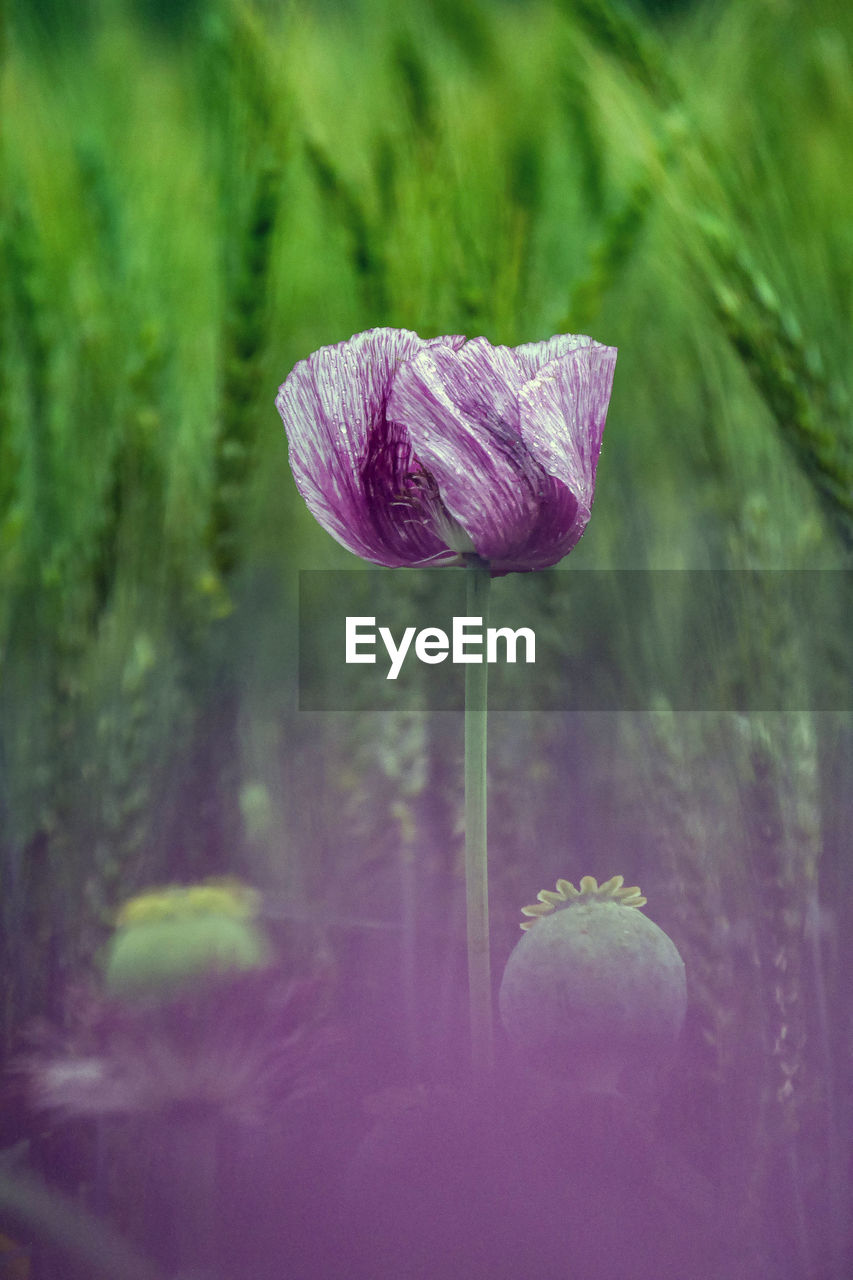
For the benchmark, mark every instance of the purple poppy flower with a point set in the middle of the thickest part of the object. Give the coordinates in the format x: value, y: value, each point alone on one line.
x: 418, y: 453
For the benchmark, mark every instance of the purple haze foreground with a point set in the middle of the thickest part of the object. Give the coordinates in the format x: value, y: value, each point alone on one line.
x: 416, y: 453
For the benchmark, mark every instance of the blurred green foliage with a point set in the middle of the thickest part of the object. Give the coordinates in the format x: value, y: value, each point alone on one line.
x: 195, y: 196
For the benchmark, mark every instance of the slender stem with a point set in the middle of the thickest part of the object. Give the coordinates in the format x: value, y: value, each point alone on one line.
x: 476, y: 863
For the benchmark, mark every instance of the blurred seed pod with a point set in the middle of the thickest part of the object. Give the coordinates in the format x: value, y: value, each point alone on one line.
x: 167, y: 940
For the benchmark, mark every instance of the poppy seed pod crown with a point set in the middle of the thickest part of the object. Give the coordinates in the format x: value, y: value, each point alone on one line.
x: 594, y: 984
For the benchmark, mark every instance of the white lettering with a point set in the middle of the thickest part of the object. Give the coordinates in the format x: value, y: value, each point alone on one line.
x: 354, y: 640
x: 431, y: 645
x: 395, y: 653
x: 511, y: 638
x: 461, y: 637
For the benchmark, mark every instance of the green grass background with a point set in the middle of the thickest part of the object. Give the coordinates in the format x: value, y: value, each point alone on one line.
x: 196, y: 195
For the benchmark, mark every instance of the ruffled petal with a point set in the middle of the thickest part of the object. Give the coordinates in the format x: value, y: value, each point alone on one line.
x: 460, y: 411
x: 533, y: 356
x: 563, y: 408
x: 355, y: 469
x: 512, y: 438
x: 562, y: 411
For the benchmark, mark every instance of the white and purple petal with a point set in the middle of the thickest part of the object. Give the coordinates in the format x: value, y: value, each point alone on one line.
x: 562, y: 411
x: 533, y: 356
x: 355, y: 470
x: 563, y: 408
x: 460, y: 410
x: 511, y: 437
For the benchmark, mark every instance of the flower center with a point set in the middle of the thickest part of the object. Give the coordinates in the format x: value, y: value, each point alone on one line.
x: 423, y: 495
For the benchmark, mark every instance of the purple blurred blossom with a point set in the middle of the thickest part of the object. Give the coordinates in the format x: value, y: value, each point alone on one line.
x: 419, y: 452
x: 245, y: 1046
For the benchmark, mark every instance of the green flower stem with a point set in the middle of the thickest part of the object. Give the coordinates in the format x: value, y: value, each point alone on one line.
x: 476, y: 863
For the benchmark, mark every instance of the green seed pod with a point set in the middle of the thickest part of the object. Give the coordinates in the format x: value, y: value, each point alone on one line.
x: 594, y: 985
x: 167, y: 940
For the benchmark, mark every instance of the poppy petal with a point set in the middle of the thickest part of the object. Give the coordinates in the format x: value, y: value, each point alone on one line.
x: 351, y: 465
x: 460, y: 410
x: 563, y: 411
